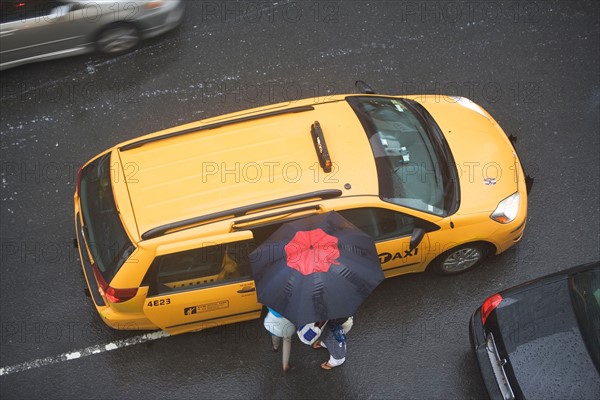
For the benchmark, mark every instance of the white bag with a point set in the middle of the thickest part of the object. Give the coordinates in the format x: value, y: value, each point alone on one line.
x: 309, y: 333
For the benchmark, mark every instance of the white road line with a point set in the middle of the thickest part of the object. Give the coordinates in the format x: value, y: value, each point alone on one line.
x: 88, y: 351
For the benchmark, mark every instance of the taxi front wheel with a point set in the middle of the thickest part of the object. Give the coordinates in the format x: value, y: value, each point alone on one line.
x: 461, y: 258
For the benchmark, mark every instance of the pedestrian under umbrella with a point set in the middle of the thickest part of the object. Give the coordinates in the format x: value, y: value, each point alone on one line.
x: 316, y: 268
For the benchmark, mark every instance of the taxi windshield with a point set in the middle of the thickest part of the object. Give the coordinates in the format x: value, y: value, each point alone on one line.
x: 415, y: 167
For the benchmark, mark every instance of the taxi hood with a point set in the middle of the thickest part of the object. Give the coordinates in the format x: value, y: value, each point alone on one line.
x: 485, y: 159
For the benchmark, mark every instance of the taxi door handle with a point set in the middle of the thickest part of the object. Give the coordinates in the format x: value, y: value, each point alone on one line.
x: 247, y: 290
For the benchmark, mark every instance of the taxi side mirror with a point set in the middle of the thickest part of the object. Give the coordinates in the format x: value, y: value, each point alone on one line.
x: 416, y: 238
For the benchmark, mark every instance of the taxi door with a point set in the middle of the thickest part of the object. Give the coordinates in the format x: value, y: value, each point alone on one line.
x: 397, y: 257
x: 196, y: 285
x: 392, y: 232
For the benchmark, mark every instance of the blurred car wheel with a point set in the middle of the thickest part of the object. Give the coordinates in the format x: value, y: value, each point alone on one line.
x: 118, y: 38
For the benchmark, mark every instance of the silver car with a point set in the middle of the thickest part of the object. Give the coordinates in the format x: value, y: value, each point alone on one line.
x: 36, y: 30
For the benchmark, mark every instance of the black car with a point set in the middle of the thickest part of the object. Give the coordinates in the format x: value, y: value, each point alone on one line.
x: 541, y: 339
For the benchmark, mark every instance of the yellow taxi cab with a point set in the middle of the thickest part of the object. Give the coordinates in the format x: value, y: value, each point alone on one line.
x: 166, y: 222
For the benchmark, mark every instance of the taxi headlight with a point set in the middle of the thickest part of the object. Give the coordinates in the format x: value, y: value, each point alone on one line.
x: 471, y: 105
x: 507, y: 209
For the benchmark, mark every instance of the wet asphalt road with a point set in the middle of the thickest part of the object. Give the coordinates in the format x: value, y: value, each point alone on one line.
x: 532, y: 65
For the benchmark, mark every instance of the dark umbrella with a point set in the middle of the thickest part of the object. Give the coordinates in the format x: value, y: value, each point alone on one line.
x: 316, y: 268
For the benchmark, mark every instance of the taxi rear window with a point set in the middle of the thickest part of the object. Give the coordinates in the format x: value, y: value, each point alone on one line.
x: 104, y: 232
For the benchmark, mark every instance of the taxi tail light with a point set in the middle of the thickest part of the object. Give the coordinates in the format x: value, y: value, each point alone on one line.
x: 120, y: 295
x: 489, y: 305
x: 113, y: 295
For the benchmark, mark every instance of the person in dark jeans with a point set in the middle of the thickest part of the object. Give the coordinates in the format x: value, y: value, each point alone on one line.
x: 334, y: 340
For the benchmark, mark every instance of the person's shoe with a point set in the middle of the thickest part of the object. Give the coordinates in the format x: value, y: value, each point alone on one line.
x: 286, y: 367
x: 326, y: 366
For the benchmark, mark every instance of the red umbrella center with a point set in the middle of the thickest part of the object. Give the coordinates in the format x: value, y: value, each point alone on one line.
x: 312, y: 251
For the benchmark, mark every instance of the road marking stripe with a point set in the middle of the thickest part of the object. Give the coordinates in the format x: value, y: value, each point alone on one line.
x: 88, y: 351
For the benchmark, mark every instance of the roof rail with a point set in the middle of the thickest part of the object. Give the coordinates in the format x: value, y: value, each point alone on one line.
x: 142, y: 142
x: 241, y: 224
x: 239, y: 211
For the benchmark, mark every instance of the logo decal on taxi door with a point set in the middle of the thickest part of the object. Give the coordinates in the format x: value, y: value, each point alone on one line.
x: 217, y: 305
x: 386, y: 257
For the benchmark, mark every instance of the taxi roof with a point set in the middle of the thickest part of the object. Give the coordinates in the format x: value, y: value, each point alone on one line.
x: 243, y: 159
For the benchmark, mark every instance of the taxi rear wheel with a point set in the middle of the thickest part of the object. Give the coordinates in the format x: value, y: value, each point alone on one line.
x: 461, y: 258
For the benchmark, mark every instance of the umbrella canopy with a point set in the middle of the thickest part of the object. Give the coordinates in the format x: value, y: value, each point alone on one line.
x: 316, y: 268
